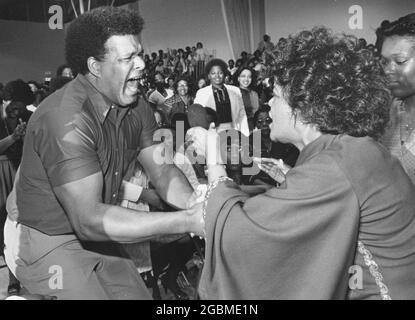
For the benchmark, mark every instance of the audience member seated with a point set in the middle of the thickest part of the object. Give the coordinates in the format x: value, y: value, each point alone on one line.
x: 180, y: 102
x: 160, y: 94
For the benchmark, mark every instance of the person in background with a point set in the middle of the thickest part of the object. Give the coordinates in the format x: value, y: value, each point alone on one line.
x: 39, y: 95
x: 246, y: 79
x: 231, y: 67
x: 64, y: 71
x: 266, y: 47
x: 201, y: 58
x: 228, y: 78
x: 161, y: 93
x: 201, y: 82
x: 159, y: 67
x: 180, y: 65
x: 170, y: 82
x: 244, y: 57
x: 34, y: 86
x: 226, y: 100
x: 397, y: 44
x: 180, y: 102
x: 265, y: 44
x: 13, y: 118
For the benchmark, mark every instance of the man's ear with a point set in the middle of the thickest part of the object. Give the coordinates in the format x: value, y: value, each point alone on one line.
x: 94, y: 66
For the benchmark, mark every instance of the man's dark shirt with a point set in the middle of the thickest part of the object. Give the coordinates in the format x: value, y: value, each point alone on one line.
x: 75, y: 133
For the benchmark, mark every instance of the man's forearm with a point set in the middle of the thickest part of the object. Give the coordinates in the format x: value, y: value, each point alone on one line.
x: 114, y: 223
x: 173, y: 186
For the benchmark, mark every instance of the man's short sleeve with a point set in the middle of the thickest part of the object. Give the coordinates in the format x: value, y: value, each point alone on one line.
x: 65, y: 145
x: 148, y: 123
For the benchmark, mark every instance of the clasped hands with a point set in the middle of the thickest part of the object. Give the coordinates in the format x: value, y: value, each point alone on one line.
x: 206, y: 144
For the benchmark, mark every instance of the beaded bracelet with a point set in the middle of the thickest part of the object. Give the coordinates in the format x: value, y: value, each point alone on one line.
x: 209, y: 190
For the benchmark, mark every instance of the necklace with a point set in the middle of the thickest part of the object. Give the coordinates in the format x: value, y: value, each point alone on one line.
x: 407, y: 133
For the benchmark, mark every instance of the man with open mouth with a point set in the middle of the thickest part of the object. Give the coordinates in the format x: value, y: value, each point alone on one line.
x: 80, y: 144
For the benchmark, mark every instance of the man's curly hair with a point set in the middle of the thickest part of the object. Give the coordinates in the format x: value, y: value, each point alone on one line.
x: 87, y: 35
x: 334, y: 83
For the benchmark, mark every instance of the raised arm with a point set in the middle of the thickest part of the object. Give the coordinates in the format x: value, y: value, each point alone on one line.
x: 169, y: 181
x: 17, y: 134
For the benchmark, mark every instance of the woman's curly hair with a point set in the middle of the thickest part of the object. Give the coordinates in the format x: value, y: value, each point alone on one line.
x: 216, y: 63
x: 18, y: 90
x: 333, y: 82
x: 87, y: 35
x: 188, y: 82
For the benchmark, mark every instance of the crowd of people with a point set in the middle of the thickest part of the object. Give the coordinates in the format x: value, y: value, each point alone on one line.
x: 273, y: 174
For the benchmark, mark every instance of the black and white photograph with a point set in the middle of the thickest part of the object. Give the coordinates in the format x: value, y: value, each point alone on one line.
x: 234, y: 151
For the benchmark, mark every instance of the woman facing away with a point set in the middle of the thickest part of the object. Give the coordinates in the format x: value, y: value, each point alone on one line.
x: 397, y: 43
x: 347, y: 207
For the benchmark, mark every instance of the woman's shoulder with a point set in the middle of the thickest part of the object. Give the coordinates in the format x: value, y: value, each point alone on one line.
x: 361, y: 158
x: 204, y: 90
x: 356, y: 147
x: 233, y: 89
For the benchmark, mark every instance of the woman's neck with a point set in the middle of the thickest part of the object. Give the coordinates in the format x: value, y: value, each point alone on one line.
x: 308, y: 135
